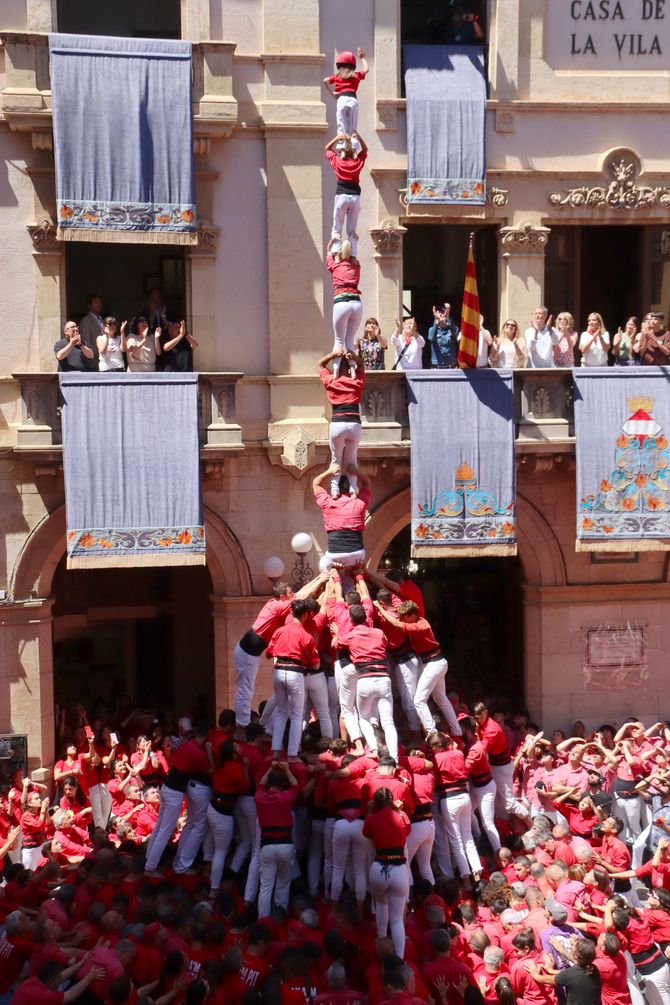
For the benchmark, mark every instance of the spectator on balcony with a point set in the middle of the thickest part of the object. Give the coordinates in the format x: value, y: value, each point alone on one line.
x: 443, y: 336
x: 142, y: 348
x: 90, y: 325
x: 626, y: 343
x: 176, y: 355
x: 371, y: 345
x: 408, y: 345
x: 111, y: 347
x: 509, y: 350
x: 594, y: 343
x: 156, y: 311
x: 464, y: 28
x: 71, y: 352
x: 484, y: 345
x: 541, y: 339
x: 564, y: 348
x: 654, y: 346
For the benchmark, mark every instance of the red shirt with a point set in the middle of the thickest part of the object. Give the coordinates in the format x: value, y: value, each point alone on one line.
x: 452, y: 970
x: 660, y: 875
x: 346, y: 276
x: 190, y: 758
x: 526, y: 987
x: 345, y: 798
x: 399, y: 788
x: 14, y: 951
x: 274, y: 807
x: 477, y: 763
x: 613, y: 978
x: 254, y: 970
x: 342, y: 390
x: 450, y: 771
x: 271, y: 616
x: 366, y: 645
x: 421, y: 636
x: 347, y: 85
x: 494, y: 741
x: 144, y: 822
x: 34, y: 992
x: 347, y: 168
x: 294, y: 642
x: 387, y: 828
x: 344, y: 513
x: 73, y: 841
x: 408, y: 590
x: 615, y: 853
x: 33, y: 829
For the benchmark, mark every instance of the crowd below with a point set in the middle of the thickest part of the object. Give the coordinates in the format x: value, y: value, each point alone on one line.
x: 437, y: 855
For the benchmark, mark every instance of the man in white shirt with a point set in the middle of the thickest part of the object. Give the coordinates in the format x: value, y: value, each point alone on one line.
x: 541, y: 339
x: 408, y: 345
x: 484, y: 346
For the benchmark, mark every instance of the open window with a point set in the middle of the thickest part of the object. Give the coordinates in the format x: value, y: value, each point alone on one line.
x: 426, y: 22
x: 127, y: 18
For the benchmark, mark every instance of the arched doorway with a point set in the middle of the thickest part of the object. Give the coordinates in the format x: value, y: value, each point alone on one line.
x: 475, y: 606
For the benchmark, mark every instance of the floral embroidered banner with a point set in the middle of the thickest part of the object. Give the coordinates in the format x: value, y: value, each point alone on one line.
x: 123, y: 139
x: 446, y: 109
x: 622, y: 423
x: 131, y: 460
x: 463, y: 464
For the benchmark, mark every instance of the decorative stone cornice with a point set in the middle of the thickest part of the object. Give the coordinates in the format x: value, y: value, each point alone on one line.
x: 387, y: 239
x: 497, y: 196
x: 43, y: 236
x: 523, y: 240
x: 207, y: 240
x: 621, y: 192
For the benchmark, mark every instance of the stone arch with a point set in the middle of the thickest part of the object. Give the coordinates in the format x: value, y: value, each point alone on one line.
x: 539, y: 551
x: 44, y: 547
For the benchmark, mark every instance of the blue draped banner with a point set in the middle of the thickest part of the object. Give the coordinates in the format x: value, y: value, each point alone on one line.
x: 123, y: 139
x: 463, y: 463
x: 131, y: 461
x: 622, y: 424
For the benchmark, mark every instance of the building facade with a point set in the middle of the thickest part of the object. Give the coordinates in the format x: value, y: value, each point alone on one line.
x: 578, y: 182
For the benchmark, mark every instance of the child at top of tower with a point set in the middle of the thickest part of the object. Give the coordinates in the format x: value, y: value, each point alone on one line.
x: 343, y: 85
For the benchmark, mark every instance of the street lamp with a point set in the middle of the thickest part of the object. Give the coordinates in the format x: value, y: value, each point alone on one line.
x: 273, y: 567
x: 301, y: 572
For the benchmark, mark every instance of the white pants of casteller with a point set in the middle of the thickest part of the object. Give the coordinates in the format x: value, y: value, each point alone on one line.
x: 246, y: 670
x: 345, y: 210
x: 254, y: 872
x: 30, y: 857
x: 420, y: 841
x: 190, y: 839
x: 407, y: 672
x: 316, y: 696
x: 344, y: 438
x: 506, y: 801
x: 346, y: 114
x: 168, y: 815
x: 289, y: 691
x: 348, y: 839
x: 344, y: 558
x: 657, y: 986
x: 431, y: 685
x: 441, y: 850
x: 389, y: 885
x: 101, y: 804
x: 276, y: 862
x: 484, y: 800
x: 630, y: 812
x: 346, y: 676
x: 456, y: 812
x: 374, y: 694
x: 244, y: 815
x: 347, y: 317
x: 221, y: 828
x: 333, y: 703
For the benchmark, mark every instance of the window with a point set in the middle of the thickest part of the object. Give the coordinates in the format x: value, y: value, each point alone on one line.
x: 429, y: 23
x: 129, y: 18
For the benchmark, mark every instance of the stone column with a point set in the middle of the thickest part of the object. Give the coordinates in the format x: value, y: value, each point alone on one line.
x: 387, y: 239
x: 521, y: 265
x: 50, y: 261
x: 504, y: 51
x: 201, y: 260
x: 26, y: 676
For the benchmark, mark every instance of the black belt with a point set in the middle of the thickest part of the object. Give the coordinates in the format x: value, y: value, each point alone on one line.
x: 252, y: 643
x: 222, y: 802
x: 446, y: 789
x: 344, y: 540
x: 652, y: 954
x: 286, y: 663
x: 343, y: 656
x: 276, y: 835
x: 500, y: 760
x: 372, y: 668
x: 390, y: 856
x: 403, y: 650
x: 479, y: 781
x: 434, y: 654
x: 424, y: 811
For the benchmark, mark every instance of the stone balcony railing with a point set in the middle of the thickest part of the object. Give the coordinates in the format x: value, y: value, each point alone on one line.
x: 543, y: 411
x: 40, y: 429
x: 25, y: 101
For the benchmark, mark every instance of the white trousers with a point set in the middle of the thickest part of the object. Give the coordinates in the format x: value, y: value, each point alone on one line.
x: 254, y: 872
x: 407, y: 672
x: 431, y: 685
x: 348, y: 839
x: 441, y: 850
x: 456, y: 812
x: 639, y: 845
x: 333, y: 703
x: 30, y: 857
x: 506, y: 802
x: 420, y: 843
x: 276, y: 862
x: 389, y: 885
x: 244, y: 815
x: 346, y: 114
x: 101, y: 804
x: 344, y: 438
x: 316, y: 695
x: 345, y: 210
x: 374, y: 694
x: 289, y: 691
x: 347, y: 317
x: 168, y: 815
x: 484, y: 800
x: 657, y: 986
x: 630, y: 812
x: 346, y: 676
x: 345, y: 558
x: 246, y: 670
x: 221, y: 828
x: 190, y: 839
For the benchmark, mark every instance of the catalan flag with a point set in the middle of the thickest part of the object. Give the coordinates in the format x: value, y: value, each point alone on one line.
x: 470, y: 315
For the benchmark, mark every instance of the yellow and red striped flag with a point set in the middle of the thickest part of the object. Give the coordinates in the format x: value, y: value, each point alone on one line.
x: 470, y: 315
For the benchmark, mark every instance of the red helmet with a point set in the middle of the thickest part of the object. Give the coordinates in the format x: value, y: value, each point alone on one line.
x: 345, y: 58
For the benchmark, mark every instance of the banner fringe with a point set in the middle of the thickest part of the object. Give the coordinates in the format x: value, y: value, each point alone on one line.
x: 625, y: 547
x: 132, y: 561
x: 465, y: 551
x: 124, y: 236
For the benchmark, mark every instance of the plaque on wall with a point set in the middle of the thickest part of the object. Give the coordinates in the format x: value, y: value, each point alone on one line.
x: 607, y: 34
x: 13, y: 755
x: 615, y: 659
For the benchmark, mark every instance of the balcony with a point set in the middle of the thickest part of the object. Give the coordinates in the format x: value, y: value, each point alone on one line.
x: 39, y: 433
x: 25, y: 101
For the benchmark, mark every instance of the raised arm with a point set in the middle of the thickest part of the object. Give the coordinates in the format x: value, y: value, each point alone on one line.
x: 334, y: 469
x: 325, y: 360
x: 335, y: 139
x: 364, y: 146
